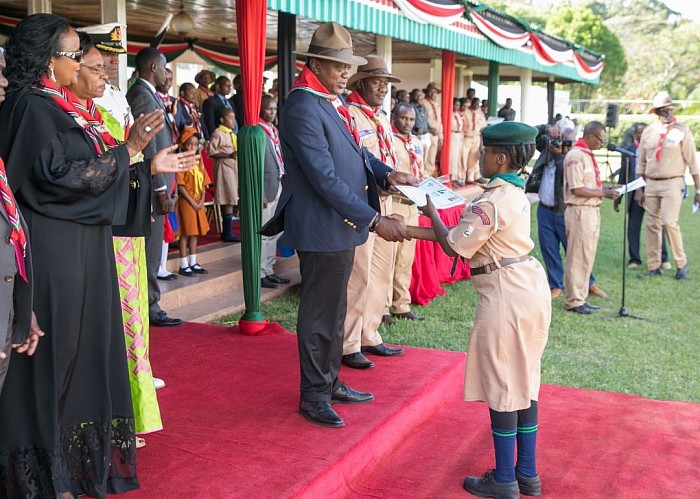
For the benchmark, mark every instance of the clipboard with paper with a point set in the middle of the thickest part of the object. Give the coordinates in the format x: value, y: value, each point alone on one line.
x: 441, y: 196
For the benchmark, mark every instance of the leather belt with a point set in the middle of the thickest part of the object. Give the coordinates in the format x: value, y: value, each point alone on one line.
x: 403, y: 201
x: 550, y: 208
x: 665, y: 178
x: 491, y: 267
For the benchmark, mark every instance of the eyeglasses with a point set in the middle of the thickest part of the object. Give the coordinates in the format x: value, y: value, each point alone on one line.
x: 598, y: 137
x: 98, y: 70
x: 76, y: 55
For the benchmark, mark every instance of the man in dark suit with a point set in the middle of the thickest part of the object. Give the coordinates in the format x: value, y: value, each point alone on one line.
x: 18, y: 326
x: 142, y: 97
x: 222, y: 87
x: 329, y: 203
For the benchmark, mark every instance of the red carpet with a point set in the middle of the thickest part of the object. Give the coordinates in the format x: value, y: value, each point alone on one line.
x: 232, y: 430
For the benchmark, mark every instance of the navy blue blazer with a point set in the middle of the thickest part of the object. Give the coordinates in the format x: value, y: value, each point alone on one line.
x: 329, y: 195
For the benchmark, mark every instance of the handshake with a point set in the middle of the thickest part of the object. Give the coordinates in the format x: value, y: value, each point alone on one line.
x: 392, y: 228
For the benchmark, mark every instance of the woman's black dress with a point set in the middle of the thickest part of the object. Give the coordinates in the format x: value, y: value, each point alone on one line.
x: 66, y: 419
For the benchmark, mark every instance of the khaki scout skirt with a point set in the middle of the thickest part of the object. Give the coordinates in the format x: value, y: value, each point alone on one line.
x: 509, y: 336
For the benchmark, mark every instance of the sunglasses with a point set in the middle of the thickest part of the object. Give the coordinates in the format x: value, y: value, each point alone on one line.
x: 76, y: 55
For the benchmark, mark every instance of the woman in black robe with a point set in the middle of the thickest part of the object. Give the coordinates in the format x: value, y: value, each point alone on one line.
x: 66, y: 419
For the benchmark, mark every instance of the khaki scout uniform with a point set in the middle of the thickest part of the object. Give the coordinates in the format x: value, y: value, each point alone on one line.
x: 370, y: 280
x: 582, y: 220
x: 434, y: 115
x: 663, y: 193
x: 514, y: 311
x: 456, y: 140
x: 399, y: 299
x: 475, y: 122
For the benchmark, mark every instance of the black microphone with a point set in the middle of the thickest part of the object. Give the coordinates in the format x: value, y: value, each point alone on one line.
x: 624, y: 152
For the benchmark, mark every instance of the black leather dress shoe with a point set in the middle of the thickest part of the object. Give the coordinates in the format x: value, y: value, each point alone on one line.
x: 487, y: 486
x: 265, y: 282
x: 357, y: 361
x: 383, y: 350
x: 198, y: 269
x: 231, y: 239
x: 682, y: 273
x: 186, y: 271
x: 410, y: 316
x: 584, y: 309
x: 346, y: 395
x: 169, y: 277
x: 278, y: 280
x: 321, y: 413
x: 652, y: 272
x: 161, y: 319
x: 529, y: 486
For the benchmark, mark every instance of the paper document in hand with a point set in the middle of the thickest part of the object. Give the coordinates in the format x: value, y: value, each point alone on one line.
x: 637, y: 183
x: 441, y: 196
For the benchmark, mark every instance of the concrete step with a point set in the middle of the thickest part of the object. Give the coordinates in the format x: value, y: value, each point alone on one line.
x: 205, y: 298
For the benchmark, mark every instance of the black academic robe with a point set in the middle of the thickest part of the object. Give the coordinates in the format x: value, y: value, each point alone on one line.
x: 66, y: 419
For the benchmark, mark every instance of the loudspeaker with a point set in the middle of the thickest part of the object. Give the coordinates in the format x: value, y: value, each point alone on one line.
x: 611, y: 116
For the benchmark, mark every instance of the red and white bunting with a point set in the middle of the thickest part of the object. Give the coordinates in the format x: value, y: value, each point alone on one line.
x: 546, y: 55
x: 430, y: 11
x: 584, y: 70
x: 499, y: 36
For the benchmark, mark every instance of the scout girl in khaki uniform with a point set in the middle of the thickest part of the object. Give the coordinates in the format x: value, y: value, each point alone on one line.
x: 514, y: 311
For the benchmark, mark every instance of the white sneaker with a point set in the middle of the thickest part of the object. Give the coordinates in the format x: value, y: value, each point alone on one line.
x: 158, y: 383
x: 666, y: 266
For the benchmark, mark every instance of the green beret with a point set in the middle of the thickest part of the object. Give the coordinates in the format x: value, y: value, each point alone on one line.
x: 509, y: 133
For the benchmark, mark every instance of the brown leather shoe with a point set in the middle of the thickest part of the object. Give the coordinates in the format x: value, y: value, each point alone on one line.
x: 596, y: 291
x: 556, y: 292
x: 410, y: 316
x: 387, y: 320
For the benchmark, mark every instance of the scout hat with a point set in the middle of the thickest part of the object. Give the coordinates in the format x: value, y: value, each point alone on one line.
x: 107, y: 37
x: 508, y: 133
x: 332, y: 42
x: 432, y: 84
x: 186, y: 134
x: 375, y: 68
x: 662, y: 99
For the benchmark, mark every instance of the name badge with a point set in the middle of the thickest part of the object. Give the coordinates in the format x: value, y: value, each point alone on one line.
x: 364, y: 133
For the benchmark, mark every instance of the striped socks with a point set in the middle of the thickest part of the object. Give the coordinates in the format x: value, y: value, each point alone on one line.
x: 527, y: 445
x: 504, y: 445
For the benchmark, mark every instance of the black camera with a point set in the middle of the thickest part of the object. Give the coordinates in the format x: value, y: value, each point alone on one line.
x: 555, y: 143
x: 567, y: 143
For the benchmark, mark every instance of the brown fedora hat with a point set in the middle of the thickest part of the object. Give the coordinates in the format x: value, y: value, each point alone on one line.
x: 332, y: 42
x: 375, y: 68
x: 662, y: 99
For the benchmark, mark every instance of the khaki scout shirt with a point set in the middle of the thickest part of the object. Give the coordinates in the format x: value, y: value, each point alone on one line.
x: 368, y: 132
x: 677, y: 152
x: 434, y: 115
x: 579, y: 171
x: 494, y: 226
x: 474, y: 122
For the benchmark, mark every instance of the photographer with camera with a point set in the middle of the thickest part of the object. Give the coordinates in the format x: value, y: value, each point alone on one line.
x: 547, y: 180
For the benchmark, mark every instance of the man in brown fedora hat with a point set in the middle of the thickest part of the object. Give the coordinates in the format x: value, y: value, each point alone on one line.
x: 666, y: 149
x: 329, y: 204
x: 370, y: 279
x: 434, y: 115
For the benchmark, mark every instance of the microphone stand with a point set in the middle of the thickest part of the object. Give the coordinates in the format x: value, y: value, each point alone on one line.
x: 623, y: 312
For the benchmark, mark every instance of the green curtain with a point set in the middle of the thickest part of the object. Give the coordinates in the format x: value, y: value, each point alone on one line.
x: 251, y: 163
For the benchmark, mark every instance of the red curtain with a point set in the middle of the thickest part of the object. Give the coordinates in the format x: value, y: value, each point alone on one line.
x: 250, y: 20
x: 448, y: 90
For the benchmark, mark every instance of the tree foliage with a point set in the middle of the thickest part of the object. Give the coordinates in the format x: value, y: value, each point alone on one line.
x: 582, y: 26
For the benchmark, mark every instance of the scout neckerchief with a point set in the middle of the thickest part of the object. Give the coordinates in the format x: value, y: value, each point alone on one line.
x: 93, y: 116
x: 66, y: 101
x: 194, y: 115
x: 432, y: 104
x: 511, y: 178
x: 584, y: 147
x: 416, y: 165
x: 459, y: 120
x: 274, y: 135
x: 234, y: 140
x: 385, y: 149
x: 662, y: 137
x: 165, y: 100
x: 308, y: 81
x: 198, y: 177
x: 18, y: 238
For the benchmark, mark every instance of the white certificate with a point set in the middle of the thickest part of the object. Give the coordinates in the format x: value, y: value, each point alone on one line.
x: 441, y: 196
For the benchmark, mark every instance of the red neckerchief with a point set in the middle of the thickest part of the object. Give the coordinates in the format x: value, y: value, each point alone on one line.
x: 459, y: 119
x: 662, y: 137
x: 416, y: 163
x: 308, y: 81
x: 584, y: 147
x: 194, y: 115
x: 18, y: 237
x: 386, y: 150
x: 274, y: 135
x: 432, y: 104
x: 94, y: 118
x: 61, y: 97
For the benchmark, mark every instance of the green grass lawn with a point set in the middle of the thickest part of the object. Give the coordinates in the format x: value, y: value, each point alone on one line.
x: 657, y: 358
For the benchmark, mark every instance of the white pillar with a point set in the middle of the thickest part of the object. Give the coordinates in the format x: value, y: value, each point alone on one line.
x: 525, y: 84
x: 114, y: 11
x: 460, y: 89
x: 468, y: 77
x: 384, y: 50
x: 38, y: 7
